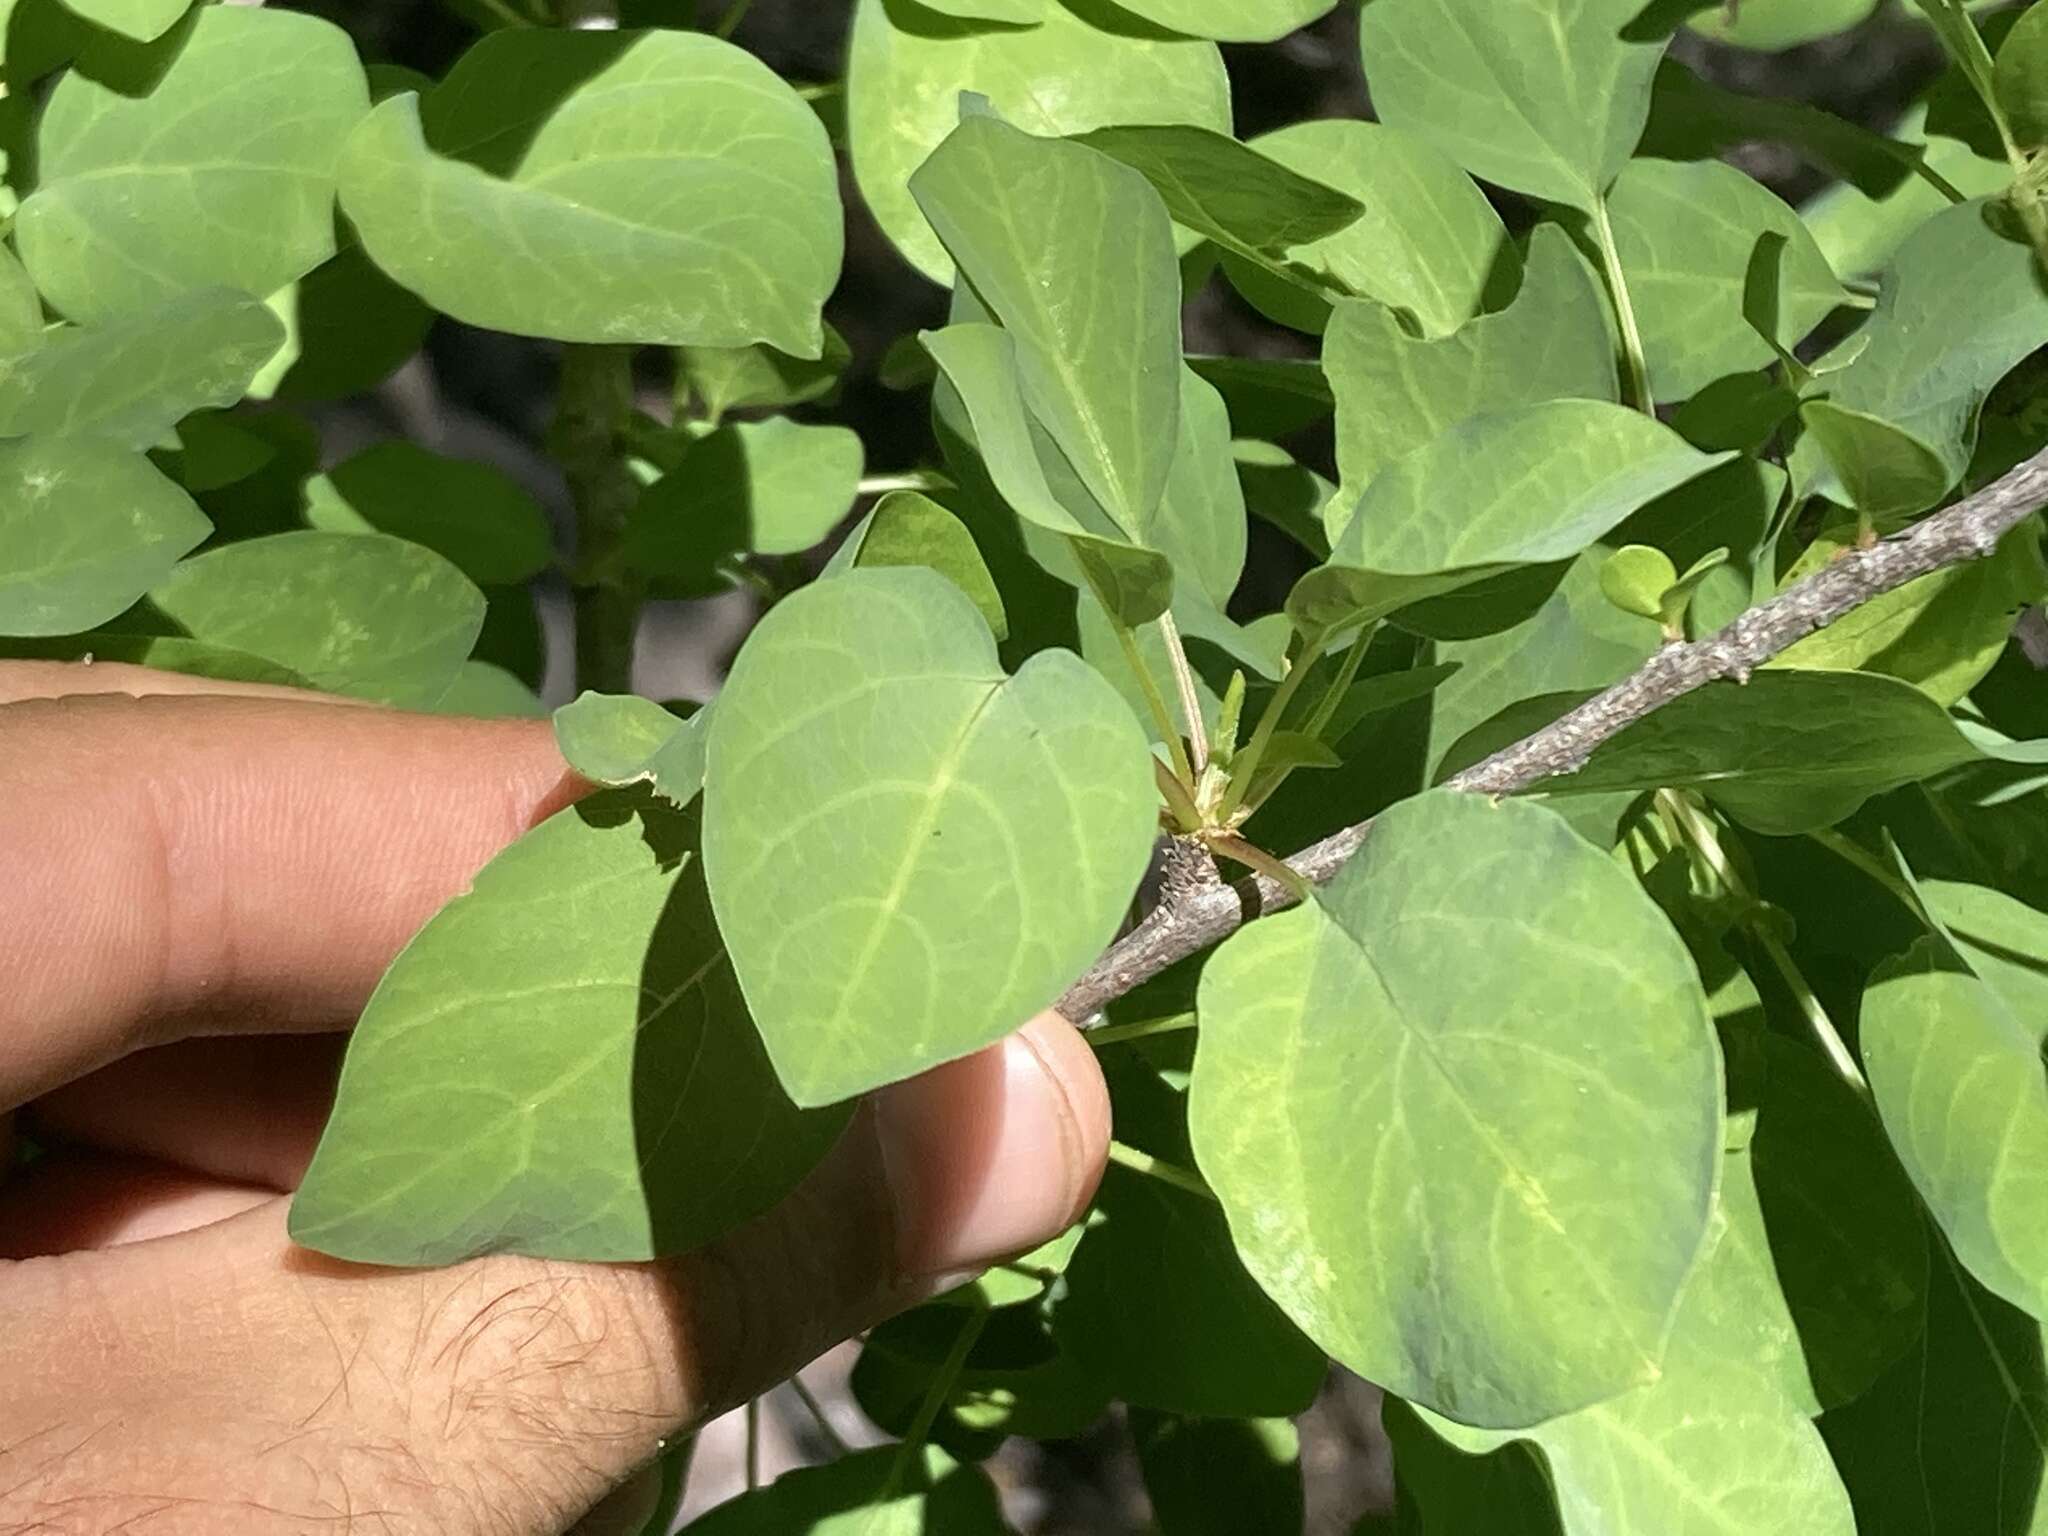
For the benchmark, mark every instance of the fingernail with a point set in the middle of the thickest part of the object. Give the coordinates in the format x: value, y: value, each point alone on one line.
x: 983, y: 1157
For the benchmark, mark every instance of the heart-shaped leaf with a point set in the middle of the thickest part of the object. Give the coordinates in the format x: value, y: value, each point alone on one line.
x: 1952, y: 1039
x: 591, y: 196
x: 132, y: 378
x: 219, y: 174
x: 1464, y: 1112
x: 560, y: 1064
x: 1540, y: 98
x: 1523, y: 488
x: 909, y: 64
x: 911, y: 853
x: 362, y: 614
x: 1397, y: 393
x: 86, y: 528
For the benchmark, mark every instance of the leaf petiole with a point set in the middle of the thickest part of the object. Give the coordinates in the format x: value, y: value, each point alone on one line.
x: 1184, y: 1179
x: 1638, y: 370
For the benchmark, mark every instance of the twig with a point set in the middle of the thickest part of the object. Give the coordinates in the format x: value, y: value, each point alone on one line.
x: 1191, y: 920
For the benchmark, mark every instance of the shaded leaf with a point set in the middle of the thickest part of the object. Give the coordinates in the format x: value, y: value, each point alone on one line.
x: 476, y: 516
x: 715, y: 380
x: 1778, y: 24
x: 907, y: 528
x: 1220, y: 1477
x: 887, y: 1491
x: 143, y: 20
x: 1232, y: 21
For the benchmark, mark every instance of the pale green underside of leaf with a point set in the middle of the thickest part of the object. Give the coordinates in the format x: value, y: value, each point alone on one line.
x: 360, y: 614
x: 1718, y: 1447
x: 1526, y: 487
x: 1467, y: 1147
x: 1396, y: 393
x: 911, y: 854
x: 1955, y: 1062
x: 1788, y: 751
x: 1533, y: 95
x: 908, y: 66
x: 1686, y: 233
x: 86, y: 528
x: 682, y: 194
x: 560, y: 1064
x: 220, y: 175
x: 1429, y: 243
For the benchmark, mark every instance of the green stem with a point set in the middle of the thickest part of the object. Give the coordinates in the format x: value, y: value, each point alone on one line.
x: 1624, y: 310
x: 1854, y: 854
x: 1155, y: 701
x: 593, y: 417
x: 909, y: 480
x: 730, y: 23
x: 1190, y: 700
x: 934, y: 1400
x: 1139, y: 1029
x: 1256, y: 859
x: 1185, y: 1179
x: 1246, y: 764
x: 1701, y: 833
x: 504, y: 13
x: 1257, y: 794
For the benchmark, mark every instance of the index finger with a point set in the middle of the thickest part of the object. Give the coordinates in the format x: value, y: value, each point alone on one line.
x: 178, y: 864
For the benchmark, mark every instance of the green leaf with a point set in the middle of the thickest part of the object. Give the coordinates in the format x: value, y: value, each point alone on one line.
x: 1960, y: 308
x: 1716, y: 1445
x: 1635, y: 579
x: 909, y: 65
x: 86, y: 529
x: 621, y: 739
x: 1686, y: 234
x: 484, y: 690
x: 476, y: 516
x: 1787, y: 752
x: 1207, y: 1340
x: 1397, y: 393
x: 1268, y: 396
x: 21, y: 309
x: 888, y: 1491
x: 1941, y: 632
x: 924, y: 891
x: 1227, y: 191
x: 166, y: 653
x: 980, y: 365
x: 770, y: 487
x: 1232, y: 21
x: 1778, y: 24
x: 606, y: 1098
x: 1289, y: 495
x: 907, y: 528
x: 360, y: 614
x: 1444, y: 1491
x: 219, y: 174
x: 719, y: 379
x: 1522, y: 93
x: 1522, y: 488
x: 1464, y: 1112
x: 1954, y: 1440
x: 1430, y: 244
x: 1953, y: 1045
x: 579, y: 186
x: 1220, y: 1477
x: 2020, y: 79
x: 1090, y: 299
x: 143, y: 20
x: 132, y: 378
x: 1859, y: 233
x: 1881, y: 470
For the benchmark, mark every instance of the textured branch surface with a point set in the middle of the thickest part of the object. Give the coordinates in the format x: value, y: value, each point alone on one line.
x: 1192, y: 920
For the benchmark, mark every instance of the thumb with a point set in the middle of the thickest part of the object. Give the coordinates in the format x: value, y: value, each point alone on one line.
x: 224, y: 1379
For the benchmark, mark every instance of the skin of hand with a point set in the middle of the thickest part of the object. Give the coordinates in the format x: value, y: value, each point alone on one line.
x: 199, y: 886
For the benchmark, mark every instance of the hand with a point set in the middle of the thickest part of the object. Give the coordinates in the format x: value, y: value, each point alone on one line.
x: 197, y: 888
